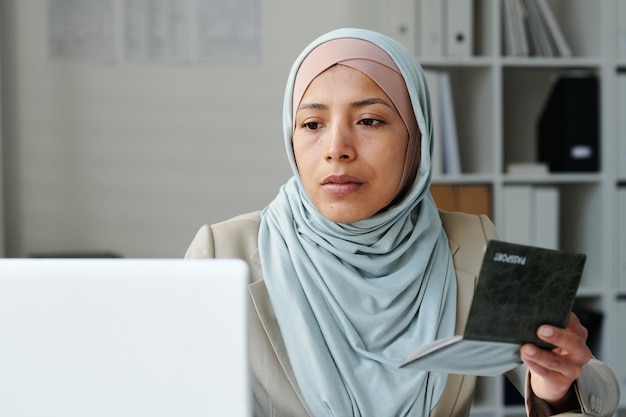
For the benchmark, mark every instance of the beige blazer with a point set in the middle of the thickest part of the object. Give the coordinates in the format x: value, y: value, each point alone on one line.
x: 275, y: 389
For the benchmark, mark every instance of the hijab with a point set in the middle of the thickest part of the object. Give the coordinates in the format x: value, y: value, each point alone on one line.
x: 353, y: 301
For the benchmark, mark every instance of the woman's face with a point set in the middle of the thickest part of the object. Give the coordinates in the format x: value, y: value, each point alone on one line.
x: 350, y: 145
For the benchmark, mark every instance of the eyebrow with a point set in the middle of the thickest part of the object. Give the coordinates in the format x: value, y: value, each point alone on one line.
x: 312, y: 106
x: 356, y: 104
x: 370, y: 101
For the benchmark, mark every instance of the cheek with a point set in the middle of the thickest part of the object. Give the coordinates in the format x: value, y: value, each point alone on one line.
x: 297, y: 155
x: 303, y: 158
x: 393, y: 160
x: 305, y: 151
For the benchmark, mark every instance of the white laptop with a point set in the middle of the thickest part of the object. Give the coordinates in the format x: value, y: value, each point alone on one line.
x: 123, y: 337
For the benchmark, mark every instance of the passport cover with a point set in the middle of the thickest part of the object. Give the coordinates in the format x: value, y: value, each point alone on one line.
x: 519, y: 288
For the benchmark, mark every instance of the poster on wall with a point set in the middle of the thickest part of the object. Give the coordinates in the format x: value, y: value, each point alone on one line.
x: 155, y: 31
x: 81, y: 30
x: 228, y: 32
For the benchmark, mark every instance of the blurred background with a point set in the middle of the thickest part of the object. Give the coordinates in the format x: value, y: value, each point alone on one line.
x: 127, y: 124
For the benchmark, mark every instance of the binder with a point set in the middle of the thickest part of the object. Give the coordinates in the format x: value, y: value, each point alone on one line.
x: 621, y: 129
x: 531, y: 215
x: 508, y: 29
x: 449, y: 139
x: 621, y: 30
x: 402, y: 18
x: 620, y: 364
x: 511, y: 394
x: 561, y: 43
x: 546, y: 217
x: 532, y: 33
x: 459, y: 28
x: 467, y: 198
x: 432, y: 78
x: 444, y: 196
x: 621, y: 237
x: 517, y: 220
x: 475, y: 198
x: 516, y: 38
x: 538, y: 30
x: 431, y: 24
x: 568, y: 127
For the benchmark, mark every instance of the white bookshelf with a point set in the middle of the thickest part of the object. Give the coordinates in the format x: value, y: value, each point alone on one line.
x: 497, y: 100
x: 1, y: 155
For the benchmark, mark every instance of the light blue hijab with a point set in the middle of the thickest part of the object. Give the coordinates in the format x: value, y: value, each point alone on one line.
x: 353, y: 301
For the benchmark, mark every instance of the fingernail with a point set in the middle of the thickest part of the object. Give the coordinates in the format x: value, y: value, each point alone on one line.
x: 530, y: 350
x: 546, y: 331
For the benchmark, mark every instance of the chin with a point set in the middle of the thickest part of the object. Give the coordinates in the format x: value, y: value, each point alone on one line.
x: 341, y: 216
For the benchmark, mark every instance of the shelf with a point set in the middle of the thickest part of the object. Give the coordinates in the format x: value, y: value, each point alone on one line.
x: 441, y: 63
x: 546, y: 62
x: 585, y: 292
x: 463, y: 179
x: 565, y: 178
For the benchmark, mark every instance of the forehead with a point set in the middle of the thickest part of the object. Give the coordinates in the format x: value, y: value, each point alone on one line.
x: 342, y: 80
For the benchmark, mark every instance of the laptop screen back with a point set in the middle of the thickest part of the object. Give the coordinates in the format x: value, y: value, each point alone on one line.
x: 123, y: 337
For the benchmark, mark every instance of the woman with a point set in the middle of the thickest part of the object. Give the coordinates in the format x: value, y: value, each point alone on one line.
x: 353, y: 266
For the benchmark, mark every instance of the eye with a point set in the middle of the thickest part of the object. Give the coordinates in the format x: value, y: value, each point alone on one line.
x: 310, y: 125
x: 370, y: 122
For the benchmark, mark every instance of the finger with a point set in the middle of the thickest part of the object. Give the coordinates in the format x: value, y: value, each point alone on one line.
x: 571, y: 342
x: 550, y: 364
x: 576, y: 326
x: 551, y: 385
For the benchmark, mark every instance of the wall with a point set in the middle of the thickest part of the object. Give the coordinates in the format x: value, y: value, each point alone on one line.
x: 133, y: 158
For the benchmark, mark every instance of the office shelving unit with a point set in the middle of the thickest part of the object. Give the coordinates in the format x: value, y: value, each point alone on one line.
x: 497, y: 102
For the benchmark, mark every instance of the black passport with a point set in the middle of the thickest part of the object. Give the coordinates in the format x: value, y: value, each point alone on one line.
x: 519, y: 288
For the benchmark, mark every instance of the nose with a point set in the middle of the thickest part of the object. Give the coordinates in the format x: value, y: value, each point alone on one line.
x: 340, y: 144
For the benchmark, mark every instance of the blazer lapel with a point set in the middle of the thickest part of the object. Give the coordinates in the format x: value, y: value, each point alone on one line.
x: 263, y: 307
x: 466, y: 284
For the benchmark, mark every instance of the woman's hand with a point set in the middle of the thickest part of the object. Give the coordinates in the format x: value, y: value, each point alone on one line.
x: 553, y: 372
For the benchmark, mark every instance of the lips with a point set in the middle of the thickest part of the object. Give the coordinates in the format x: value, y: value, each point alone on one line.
x: 341, y: 185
